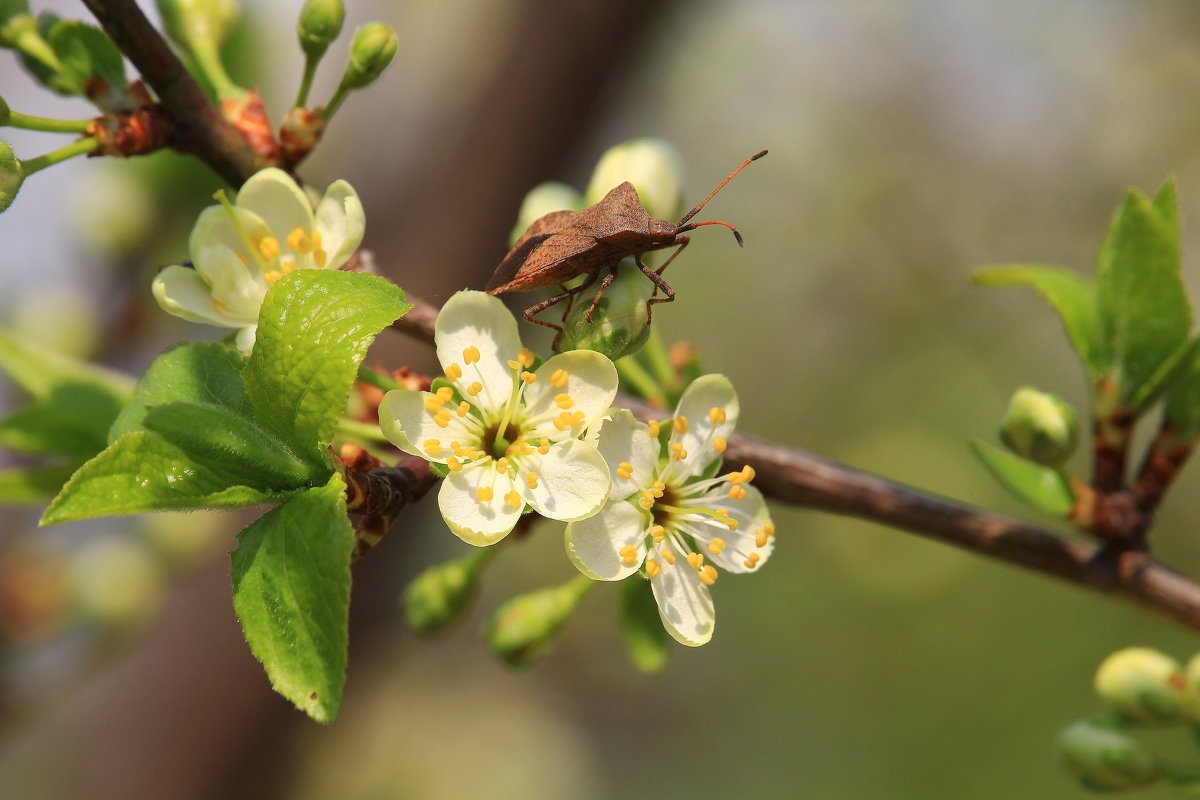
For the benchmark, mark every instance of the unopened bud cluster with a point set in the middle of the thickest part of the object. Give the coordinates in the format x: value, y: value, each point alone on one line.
x: 1040, y: 426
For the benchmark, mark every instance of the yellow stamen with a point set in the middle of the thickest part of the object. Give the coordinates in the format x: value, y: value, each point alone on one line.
x: 750, y: 563
x: 653, y: 428
x: 748, y: 473
x: 320, y: 258
x: 471, y: 354
x: 531, y: 480
x: 709, y: 575
x: 463, y: 408
x: 445, y: 393
x: 528, y: 377
x: 433, y: 404
x: 272, y: 276
x: 316, y: 239
x: 625, y: 470
x: 502, y: 465
x: 668, y: 556
x: 716, y: 415
x: 475, y: 388
x: 298, y: 241
x: 695, y: 560
x: 628, y: 554
x: 657, y: 533
x: 769, y: 527
x: 736, y: 492
x: 681, y: 425
x: 442, y: 419
x: 453, y: 372
x: 559, y: 378
x: 525, y: 356
x: 514, y: 364
x: 678, y: 453
x: 268, y: 248
x: 719, y: 444
x: 513, y: 499
x: 717, y: 545
x: 485, y: 494
x: 432, y: 446
x: 647, y: 501
x: 563, y: 401
x: 454, y: 464
x: 544, y: 445
x: 652, y: 568
x: 760, y: 538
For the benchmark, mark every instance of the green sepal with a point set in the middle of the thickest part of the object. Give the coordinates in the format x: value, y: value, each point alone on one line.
x: 1071, y: 296
x: 642, y: 631
x: 1044, y: 488
x: 440, y: 594
x: 314, y: 329
x: 143, y: 472
x: 291, y: 592
x: 32, y: 485
x: 440, y: 470
x: 226, y: 441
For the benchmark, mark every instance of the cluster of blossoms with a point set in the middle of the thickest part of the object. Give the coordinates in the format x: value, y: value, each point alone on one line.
x: 636, y: 496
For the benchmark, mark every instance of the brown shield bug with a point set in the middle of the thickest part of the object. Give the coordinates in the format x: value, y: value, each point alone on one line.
x: 563, y: 244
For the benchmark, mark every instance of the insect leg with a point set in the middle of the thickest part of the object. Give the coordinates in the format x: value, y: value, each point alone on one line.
x: 604, y: 284
x: 659, y: 283
x: 531, y: 313
x: 683, y: 240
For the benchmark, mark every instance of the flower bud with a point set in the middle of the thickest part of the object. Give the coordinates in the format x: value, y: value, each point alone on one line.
x: 541, y: 200
x: 653, y: 166
x: 372, y: 50
x: 1143, y: 686
x: 440, y: 594
x: 189, y: 21
x: 618, y: 327
x: 117, y: 582
x: 1104, y: 758
x: 522, y: 630
x: 1040, y: 426
x: 319, y: 24
x: 12, y: 175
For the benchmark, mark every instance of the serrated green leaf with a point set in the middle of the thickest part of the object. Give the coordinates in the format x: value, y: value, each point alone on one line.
x: 32, y: 485
x: 1071, y: 296
x: 1144, y: 312
x: 313, y: 331
x: 188, y: 373
x: 291, y: 591
x: 642, y: 631
x: 1041, y: 487
x: 143, y: 472
x: 87, y: 55
x: 226, y: 441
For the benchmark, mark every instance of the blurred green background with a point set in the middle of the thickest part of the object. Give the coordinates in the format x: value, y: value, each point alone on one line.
x: 910, y: 143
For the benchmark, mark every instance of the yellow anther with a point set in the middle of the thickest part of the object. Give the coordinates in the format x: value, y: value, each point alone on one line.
x: 471, y: 354
x: 628, y: 554
x: 475, y: 388
x: 736, y: 493
x: 432, y: 446
x: 652, y: 568
x: 653, y: 424
x: 463, y: 408
x: 316, y: 239
x: 453, y: 373
x: 272, y: 276
x: 678, y: 453
x: 559, y: 377
x: 769, y: 527
x: 268, y: 248
x: 442, y: 419
x: 657, y: 533
x: 750, y: 563
x: 524, y: 449
x: 454, y: 464
x: 695, y: 560
x: 320, y: 258
x: 445, y: 393
x: 288, y: 266
x: 760, y: 538
x: 528, y: 377
x: 525, y: 356
x: 716, y: 546
x: 681, y: 424
x: 748, y: 473
x: 659, y: 488
x: 625, y: 470
x: 754, y: 557
x: 433, y: 404
x: 709, y: 575
x: 512, y: 499
x: 298, y: 241
x: 502, y: 465
x: 514, y: 364
x: 668, y: 556
x: 531, y: 480
x: 563, y: 421
x: 647, y: 501
x: 563, y: 401
x: 485, y: 494
x: 716, y: 415
x: 544, y: 445
x: 719, y: 444
x: 734, y: 477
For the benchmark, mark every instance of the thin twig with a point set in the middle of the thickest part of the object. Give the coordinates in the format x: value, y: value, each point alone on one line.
x: 196, y: 126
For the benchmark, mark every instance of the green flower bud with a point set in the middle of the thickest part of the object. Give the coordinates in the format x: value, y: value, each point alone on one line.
x: 440, y: 594
x: 319, y: 24
x: 189, y: 21
x: 522, y: 630
x: 1040, y: 426
x: 1104, y: 758
x: 12, y: 175
x: 372, y: 50
x: 541, y: 200
x: 653, y: 166
x: 618, y: 327
x: 1143, y: 686
x: 117, y: 582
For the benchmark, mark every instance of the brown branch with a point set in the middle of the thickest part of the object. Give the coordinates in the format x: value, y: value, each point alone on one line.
x: 196, y: 125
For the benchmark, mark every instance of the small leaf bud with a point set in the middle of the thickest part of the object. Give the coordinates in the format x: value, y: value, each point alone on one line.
x: 189, y: 21
x: 1040, y: 426
x: 541, y: 200
x: 440, y: 594
x: 319, y: 25
x: 372, y: 50
x: 522, y: 630
x: 1142, y: 686
x: 618, y: 326
x: 653, y: 166
x: 1104, y: 758
x: 12, y: 175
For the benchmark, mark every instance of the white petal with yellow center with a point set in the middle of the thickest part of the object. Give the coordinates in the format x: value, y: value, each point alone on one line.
x: 572, y: 480
x: 214, y: 227
x: 694, y: 428
x: 341, y: 222
x: 476, y: 521
x: 407, y: 422
x: 476, y: 320
x: 277, y: 200
x: 579, y: 385
x: 684, y: 604
x: 751, y: 515
x: 597, y: 545
x: 631, y: 454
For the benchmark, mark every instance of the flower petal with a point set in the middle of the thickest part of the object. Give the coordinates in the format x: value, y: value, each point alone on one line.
x: 475, y: 521
x: 571, y: 480
x: 182, y: 292
x: 215, y: 227
x: 238, y: 289
x: 752, y: 517
x: 684, y: 604
x: 474, y: 319
x: 408, y: 424
x: 624, y: 440
x: 594, y: 544
x: 702, y: 395
x: 274, y: 196
x: 584, y: 379
x: 246, y: 337
x: 341, y: 221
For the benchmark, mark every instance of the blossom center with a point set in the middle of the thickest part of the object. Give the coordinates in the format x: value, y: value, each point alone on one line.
x: 497, y: 443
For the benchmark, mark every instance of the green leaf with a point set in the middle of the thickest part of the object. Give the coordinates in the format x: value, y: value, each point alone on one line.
x: 188, y: 373
x: 87, y: 55
x: 642, y: 631
x: 1072, y: 297
x: 313, y: 331
x: 40, y: 371
x: 50, y: 427
x: 1043, y: 488
x: 143, y: 472
x: 1168, y: 375
x: 32, y: 485
x: 1166, y: 203
x: 1144, y: 311
x: 291, y: 591
x: 1182, y: 407
x: 226, y: 441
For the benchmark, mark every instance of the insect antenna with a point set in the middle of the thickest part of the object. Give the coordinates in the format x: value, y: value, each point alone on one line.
x: 692, y: 226
x: 696, y: 210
